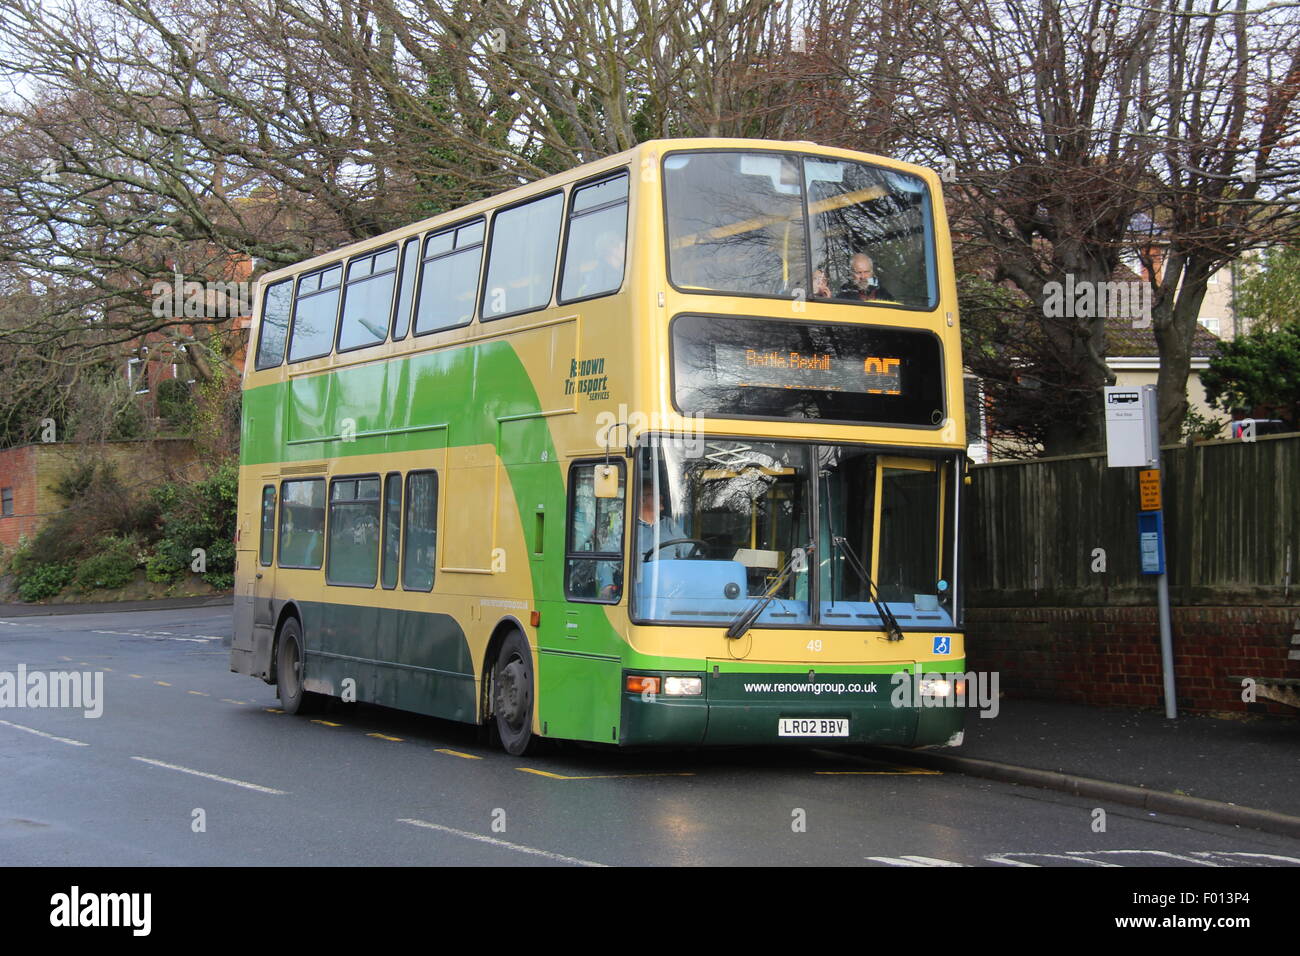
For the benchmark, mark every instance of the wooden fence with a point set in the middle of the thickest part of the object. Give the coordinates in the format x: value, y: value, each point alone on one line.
x: 1039, y: 532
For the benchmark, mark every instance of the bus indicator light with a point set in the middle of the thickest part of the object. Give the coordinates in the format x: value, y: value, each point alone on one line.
x: 637, y: 684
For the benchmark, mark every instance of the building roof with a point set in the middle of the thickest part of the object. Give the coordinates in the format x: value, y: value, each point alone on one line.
x: 1124, y: 341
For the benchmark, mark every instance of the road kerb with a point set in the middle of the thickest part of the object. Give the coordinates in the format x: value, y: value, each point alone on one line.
x: 1158, y: 801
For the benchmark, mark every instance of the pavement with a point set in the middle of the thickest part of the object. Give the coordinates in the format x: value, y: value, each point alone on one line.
x: 110, y: 607
x: 1242, y: 770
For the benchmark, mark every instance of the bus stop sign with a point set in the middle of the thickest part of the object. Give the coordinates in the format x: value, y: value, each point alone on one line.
x: 1132, y: 435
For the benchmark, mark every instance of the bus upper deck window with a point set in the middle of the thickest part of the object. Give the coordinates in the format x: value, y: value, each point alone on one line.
x: 368, y: 299
x: 521, y: 264
x: 596, y: 248
x: 735, y: 223
x: 276, y: 301
x: 449, y: 278
x: 314, y: 313
x: 871, y: 234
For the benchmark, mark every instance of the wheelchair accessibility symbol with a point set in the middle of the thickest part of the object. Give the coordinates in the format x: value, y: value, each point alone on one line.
x: 943, y: 645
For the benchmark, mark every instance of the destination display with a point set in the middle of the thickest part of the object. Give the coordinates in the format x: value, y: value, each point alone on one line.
x: 770, y: 368
x: 758, y: 368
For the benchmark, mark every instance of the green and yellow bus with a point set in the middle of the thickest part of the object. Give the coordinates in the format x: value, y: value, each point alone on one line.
x: 664, y: 450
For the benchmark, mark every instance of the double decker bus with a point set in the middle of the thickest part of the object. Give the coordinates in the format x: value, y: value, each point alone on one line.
x: 664, y: 450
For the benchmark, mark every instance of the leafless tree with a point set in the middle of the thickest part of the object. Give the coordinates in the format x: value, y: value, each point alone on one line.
x: 147, y: 138
x: 1062, y: 124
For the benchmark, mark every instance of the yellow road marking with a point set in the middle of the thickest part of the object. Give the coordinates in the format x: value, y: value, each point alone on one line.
x: 106, y: 668
x: 163, y: 683
x: 198, y: 693
x: 457, y: 753
x: 273, y: 710
x: 227, y: 700
x: 327, y: 723
x: 385, y: 737
x: 137, y: 675
x: 600, y: 776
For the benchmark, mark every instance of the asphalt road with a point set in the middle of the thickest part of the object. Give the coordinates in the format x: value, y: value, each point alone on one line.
x: 192, y: 765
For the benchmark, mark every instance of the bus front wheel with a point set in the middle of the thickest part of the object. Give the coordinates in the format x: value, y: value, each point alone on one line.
x: 512, y: 694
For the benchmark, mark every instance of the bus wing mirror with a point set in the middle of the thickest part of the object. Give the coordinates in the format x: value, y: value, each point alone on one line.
x: 606, y: 481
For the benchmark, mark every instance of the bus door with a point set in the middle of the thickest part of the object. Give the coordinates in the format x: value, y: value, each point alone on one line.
x: 254, y: 621
x: 264, y: 567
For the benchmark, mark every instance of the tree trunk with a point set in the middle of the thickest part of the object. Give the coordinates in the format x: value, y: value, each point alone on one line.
x: 1174, y: 333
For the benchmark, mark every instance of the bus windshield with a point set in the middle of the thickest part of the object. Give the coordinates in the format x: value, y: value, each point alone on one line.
x: 799, y: 227
x: 722, y: 523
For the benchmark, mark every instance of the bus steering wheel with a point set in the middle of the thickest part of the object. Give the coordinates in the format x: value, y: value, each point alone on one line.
x: 697, y: 547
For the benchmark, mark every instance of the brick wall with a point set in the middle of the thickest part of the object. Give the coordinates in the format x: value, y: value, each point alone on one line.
x: 32, y: 470
x: 1111, y: 655
x: 18, y: 471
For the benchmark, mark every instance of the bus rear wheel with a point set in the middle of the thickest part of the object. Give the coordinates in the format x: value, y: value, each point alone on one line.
x: 288, y: 669
x: 512, y: 694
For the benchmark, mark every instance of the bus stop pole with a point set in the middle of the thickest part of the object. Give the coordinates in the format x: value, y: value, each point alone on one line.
x: 1133, y: 440
x: 1162, y: 580
x: 1166, y: 645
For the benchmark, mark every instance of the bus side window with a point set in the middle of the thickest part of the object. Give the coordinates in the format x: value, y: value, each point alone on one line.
x: 593, y: 561
x: 276, y: 301
x: 406, y: 288
x: 353, y: 552
x: 392, y: 528
x: 595, y: 251
x: 449, y: 278
x: 368, y: 299
x: 315, y: 310
x: 419, y: 549
x: 302, y: 523
x: 521, y: 265
x: 267, y: 544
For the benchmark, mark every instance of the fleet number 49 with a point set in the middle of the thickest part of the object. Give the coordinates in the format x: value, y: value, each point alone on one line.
x: 815, y: 645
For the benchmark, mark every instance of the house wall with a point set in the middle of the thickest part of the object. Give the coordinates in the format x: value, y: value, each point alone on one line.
x: 33, y: 470
x: 1216, y: 307
x: 18, y: 471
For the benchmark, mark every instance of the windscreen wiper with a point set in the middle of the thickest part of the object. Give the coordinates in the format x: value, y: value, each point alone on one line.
x: 750, y: 614
x: 892, y: 631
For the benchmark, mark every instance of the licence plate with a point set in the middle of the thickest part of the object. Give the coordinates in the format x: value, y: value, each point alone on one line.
x: 813, y: 727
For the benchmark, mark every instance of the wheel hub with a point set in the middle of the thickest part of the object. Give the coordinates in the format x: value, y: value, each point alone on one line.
x: 512, y: 700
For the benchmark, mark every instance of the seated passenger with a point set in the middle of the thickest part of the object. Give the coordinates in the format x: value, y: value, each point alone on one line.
x: 821, y: 287
x: 606, y: 273
x: 863, y: 286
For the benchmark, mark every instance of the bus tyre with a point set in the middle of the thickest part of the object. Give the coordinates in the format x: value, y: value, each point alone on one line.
x: 512, y: 694
x: 288, y: 668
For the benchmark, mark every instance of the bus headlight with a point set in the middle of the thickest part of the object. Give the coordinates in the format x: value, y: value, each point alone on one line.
x: 683, y: 686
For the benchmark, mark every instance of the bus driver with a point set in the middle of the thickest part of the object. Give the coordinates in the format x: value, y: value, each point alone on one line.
x: 653, y: 528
